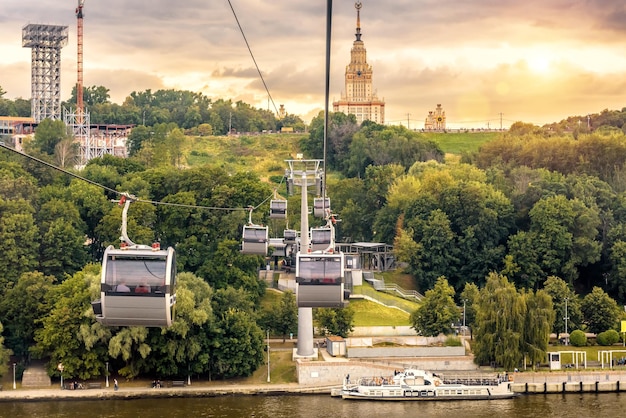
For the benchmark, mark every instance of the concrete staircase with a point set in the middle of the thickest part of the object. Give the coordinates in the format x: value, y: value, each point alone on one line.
x: 35, y: 376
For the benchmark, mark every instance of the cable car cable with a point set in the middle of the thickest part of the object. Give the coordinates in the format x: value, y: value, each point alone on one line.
x: 154, y: 202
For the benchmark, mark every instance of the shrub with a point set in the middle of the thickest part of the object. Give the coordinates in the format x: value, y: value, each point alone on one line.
x: 578, y: 338
x: 453, y: 342
x: 607, y: 338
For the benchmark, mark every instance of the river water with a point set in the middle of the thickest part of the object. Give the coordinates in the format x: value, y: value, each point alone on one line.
x: 316, y: 406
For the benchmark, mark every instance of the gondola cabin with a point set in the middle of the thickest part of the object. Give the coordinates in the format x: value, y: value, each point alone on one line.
x: 278, y: 209
x: 255, y: 240
x: 320, y: 238
x: 321, y: 207
x: 290, y: 236
x: 137, y: 287
x: 279, y: 249
x: 320, y: 281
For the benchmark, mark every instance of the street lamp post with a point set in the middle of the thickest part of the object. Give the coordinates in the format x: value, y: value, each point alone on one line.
x: 60, y: 367
x: 268, y: 356
x: 566, y: 318
x: 464, y: 301
x: 14, y: 386
x: 106, y: 375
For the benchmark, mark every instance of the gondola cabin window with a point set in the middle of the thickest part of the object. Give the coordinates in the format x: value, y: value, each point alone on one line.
x: 135, y: 275
x: 322, y: 270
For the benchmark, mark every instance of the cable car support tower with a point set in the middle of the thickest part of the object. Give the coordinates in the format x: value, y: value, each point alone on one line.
x: 304, y: 173
x: 79, y: 122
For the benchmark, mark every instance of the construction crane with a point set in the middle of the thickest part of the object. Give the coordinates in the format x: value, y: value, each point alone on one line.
x: 79, y: 84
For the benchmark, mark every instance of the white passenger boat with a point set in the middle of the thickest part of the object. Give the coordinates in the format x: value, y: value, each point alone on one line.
x: 419, y: 385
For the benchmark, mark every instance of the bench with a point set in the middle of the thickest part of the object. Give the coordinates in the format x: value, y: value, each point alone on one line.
x: 94, y: 385
x: 178, y: 383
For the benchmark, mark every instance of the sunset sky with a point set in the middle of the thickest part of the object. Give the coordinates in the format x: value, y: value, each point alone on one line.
x: 536, y: 61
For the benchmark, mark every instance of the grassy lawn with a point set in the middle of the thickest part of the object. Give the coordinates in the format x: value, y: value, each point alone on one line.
x: 259, y: 153
x: 282, y: 370
x: 386, y: 298
x: 403, y: 280
x: 371, y: 314
x: 457, y: 143
x: 592, y: 351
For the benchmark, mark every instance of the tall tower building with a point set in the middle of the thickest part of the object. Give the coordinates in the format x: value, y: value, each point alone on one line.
x: 359, y: 98
x: 46, y: 42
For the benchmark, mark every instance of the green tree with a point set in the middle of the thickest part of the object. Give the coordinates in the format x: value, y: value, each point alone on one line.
x: 62, y: 238
x: 437, y: 311
x: 560, y: 291
x: 18, y: 240
x: 185, y: 346
x: 236, y: 338
x: 5, y: 354
x: 500, y: 320
x: 60, y: 338
x: 538, y: 325
x: 284, y: 318
x: 22, y: 307
x: 600, y: 311
x: 335, y: 321
x: 48, y: 134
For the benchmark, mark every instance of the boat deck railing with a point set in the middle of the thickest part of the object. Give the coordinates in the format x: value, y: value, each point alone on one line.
x: 487, y: 380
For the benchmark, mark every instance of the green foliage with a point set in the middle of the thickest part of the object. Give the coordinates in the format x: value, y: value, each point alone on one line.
x: 607, y: 338
x: 437, y: 312
x: 335, y: 321
x: 68, y: 334
x: 601, y: 312
x: 21, y: 309
x: 5, y: 354
x: 18, y: 240
x: 578, y: 338
x: 560, y: 292
x: 283, y: 319
x: 453, y: 342
x: 538, y: 325
x: 500, y: 319
x: 48, y: 134
x: 238, y: 340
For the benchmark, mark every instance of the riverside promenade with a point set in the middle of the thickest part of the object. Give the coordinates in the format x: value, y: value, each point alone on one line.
x: 593, y: 381
x: 197, y: 390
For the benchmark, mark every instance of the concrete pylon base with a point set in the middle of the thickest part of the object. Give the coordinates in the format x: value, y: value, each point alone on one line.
x: 312, y: 357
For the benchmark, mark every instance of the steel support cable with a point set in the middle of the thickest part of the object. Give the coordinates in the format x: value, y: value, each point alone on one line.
x: 154, y: 202
x: 252, y: 55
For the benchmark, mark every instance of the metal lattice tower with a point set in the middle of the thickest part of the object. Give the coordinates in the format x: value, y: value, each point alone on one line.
x: 46, y: 42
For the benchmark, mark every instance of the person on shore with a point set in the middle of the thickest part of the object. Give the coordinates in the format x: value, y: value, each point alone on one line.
x: 115, y: 385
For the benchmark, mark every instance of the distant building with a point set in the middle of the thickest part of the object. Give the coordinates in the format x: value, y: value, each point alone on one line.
x: 436, y: 120
x: 359, y: 99
x: 10, y: 125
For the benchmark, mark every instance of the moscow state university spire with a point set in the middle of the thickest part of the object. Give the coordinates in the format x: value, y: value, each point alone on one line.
x: 359, y: 99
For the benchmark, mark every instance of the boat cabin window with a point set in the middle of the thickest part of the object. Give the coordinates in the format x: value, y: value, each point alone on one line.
x: 320, y: 270
x: 134, y: 275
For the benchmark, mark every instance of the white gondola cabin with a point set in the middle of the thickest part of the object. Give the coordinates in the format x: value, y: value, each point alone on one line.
x: 290, y: 236
x: 320, y: 280
x: 278, y: 209
x: 137, y: 287
x: 321, y: 207
x: 321, y: 238
x: 255, y: 240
